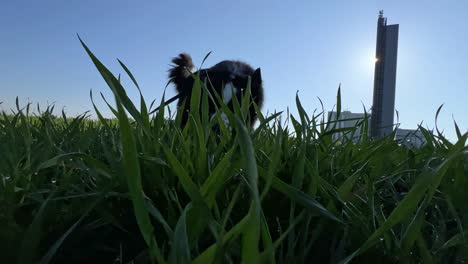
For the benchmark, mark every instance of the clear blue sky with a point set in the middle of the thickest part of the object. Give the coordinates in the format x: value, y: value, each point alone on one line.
x: 310, y: 46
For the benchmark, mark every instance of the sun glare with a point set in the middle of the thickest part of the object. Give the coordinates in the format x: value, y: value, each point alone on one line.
x: 367, y: 61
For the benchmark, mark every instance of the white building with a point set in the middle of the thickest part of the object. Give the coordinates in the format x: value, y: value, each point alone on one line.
x: 410, y: 137
x: 347, y: 119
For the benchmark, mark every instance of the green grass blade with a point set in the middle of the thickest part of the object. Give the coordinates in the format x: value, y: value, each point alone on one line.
x: 32, y: 238
x: 143, y: 107
x: 215, y: 181
x: 180, y: 252
x: 115, y: 86
x: 429, y: 179
x: 302, y: 198
x: 251, y: 234
x: 131, y: 167
x: 209, y: 254
x: 199, y: 216
x: 47, y: 258
x: 98, y: 113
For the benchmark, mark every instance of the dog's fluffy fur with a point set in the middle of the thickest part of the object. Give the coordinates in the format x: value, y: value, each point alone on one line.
x: 228, y: 78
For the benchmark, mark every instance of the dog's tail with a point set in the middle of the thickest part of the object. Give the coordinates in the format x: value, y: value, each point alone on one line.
x: 182, y: 69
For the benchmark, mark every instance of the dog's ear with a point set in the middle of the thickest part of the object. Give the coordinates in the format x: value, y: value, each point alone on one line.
x: 257, y: 77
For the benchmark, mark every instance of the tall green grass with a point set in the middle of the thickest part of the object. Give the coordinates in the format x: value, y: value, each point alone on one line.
x: 138, y: 189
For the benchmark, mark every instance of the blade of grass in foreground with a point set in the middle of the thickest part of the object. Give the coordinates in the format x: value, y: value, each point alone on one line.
x: 116, y: 87
x: 143, y: 107
x: 131, y: 168
x: 413, y: 232
x: 55, y: 247
x: 215, y: 181
x: 216, y: 251
x: 180, y: 252
x: 98, y: 113
x: 251, y: 236
x: 158, y: 216
x: 427, y: 182
x: 300, y: 197
x: 199, y: 215
x: 33, y: 235
x: 209, y: 254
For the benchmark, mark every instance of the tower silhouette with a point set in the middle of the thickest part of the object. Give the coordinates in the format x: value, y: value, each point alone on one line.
x: 383, y: 106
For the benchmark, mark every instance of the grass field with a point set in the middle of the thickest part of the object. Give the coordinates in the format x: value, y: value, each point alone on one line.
x: 137, y: 188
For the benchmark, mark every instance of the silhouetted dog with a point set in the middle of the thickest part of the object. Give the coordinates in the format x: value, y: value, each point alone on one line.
x: 228, y: 78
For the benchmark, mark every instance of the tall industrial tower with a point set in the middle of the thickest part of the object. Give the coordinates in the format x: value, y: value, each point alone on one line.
x: 383, y: 106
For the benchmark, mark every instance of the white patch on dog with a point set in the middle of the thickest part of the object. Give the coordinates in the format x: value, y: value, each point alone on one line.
x: 229, y: 91
x: 223, y: 117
